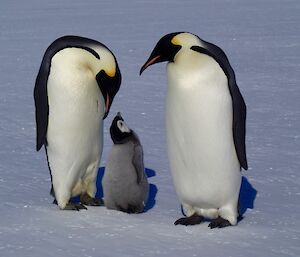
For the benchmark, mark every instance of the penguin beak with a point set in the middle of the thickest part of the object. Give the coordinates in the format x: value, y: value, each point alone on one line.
x: 151, y: 60
x: 164, y: 51
x: 107, y: 106
x: 109, y: 86
x: 119, y: 115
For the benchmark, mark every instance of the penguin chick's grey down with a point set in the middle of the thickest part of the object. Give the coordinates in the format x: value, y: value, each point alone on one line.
x: 76, y: 84
x: 125, y: 185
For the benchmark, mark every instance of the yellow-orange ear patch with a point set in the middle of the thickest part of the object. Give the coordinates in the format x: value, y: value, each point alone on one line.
x: 175, y: 41
x: 111, y: 73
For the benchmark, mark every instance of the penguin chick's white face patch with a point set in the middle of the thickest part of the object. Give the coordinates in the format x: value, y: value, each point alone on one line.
x: 122, y: 126
x: 186, y: 40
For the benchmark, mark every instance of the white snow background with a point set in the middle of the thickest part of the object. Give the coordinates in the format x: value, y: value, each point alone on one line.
x: 262, y: 41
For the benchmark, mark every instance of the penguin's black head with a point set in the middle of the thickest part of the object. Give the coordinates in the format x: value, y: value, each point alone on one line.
x: 119, y: 131
x: 109, y: 86
x: 165, y: 50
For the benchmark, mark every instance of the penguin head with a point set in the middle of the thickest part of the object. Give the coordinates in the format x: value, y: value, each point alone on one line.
x: 109, y: 76
x: 169, y: 45
x: 119, y: 131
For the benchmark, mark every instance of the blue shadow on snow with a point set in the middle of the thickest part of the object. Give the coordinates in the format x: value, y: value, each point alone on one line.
x: 152, y: 191
x: 246, y: 199
x: 100, y: 175
x: 247, y: 196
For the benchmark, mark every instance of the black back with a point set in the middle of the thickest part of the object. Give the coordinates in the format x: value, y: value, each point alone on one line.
x: 40, y: 89
x: 239, y: 106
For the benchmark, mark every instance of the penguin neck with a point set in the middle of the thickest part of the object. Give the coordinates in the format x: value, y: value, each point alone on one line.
x: 191, y: 69
x: 107, y: 60
x: 131, y: 136
x: 77, y: 58
x: 189, y: 61
x: 186, y: 60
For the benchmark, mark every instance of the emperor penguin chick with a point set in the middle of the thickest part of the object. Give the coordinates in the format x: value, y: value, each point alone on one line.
x: 125, y: 184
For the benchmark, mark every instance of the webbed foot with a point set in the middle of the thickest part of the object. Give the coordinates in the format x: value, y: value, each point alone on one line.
x: 75, y: 207
x: 219, y: 223
x: 189, y: 221
x: 90, y: 201
x: 134, y: 208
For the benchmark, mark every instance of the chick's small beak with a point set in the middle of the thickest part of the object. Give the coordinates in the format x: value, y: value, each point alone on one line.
x: 149, y: 62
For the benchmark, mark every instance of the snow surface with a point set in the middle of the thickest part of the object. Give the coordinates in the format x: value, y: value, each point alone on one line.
x: 262, y: 40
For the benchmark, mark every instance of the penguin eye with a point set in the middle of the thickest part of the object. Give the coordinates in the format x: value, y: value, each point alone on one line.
x: 122, y: 126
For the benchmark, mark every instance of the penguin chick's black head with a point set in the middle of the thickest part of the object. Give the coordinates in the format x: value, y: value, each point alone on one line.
x: 164, y: 50
x: 119, y: 131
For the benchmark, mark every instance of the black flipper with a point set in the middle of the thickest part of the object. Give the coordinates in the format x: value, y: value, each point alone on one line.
x: 239, y: 106
x: 40, y: 89
x: 138, y: 162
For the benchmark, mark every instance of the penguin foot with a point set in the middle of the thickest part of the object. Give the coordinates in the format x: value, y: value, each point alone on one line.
x: 90, y: 201
x: 189, y: 221
x: 133, y: 208
x: 75, y: 207
x: 136, y: 209
x: 219, y: 223
x: 72, y: 206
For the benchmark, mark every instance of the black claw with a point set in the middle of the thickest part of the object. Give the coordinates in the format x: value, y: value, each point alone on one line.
x: 180, y: 221
x: 219, y: 223
x: 189, y: 221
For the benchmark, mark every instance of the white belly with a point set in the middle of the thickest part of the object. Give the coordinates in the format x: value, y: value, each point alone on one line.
x: 75, y: 129
x: 202, y: 155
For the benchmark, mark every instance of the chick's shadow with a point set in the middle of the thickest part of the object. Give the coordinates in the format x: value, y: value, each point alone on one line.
x: 152, y: 188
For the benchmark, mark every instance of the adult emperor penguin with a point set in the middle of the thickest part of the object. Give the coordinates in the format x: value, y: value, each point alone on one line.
x: 74, y: 90
x: 125, y: 184
x: 205, y: 123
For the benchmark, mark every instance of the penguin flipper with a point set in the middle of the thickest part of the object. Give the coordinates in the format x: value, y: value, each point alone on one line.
x: 41, y: 107
x: 238, y: 103
x: 239, y: 125
x: 138, y: 163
